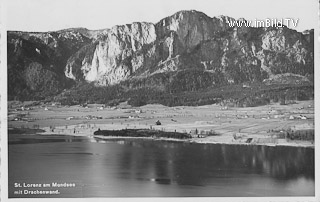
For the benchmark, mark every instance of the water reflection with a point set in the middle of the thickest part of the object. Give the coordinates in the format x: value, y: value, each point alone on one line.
x: 137, y: 167
x: 33, y: 139
x: 184, y: 162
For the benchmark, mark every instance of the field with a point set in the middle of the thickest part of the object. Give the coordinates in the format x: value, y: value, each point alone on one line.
x: 269, y: 125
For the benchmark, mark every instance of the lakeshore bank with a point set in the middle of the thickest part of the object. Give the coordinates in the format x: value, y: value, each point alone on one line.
x: 226, y: 138
x: 264, y: 125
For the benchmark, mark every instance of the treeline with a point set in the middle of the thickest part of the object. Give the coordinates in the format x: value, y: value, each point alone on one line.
x: 142, y: 133
x: 113, y: 95
x: 171, y: 89
x: 284, y: 94
x: 235, y: 95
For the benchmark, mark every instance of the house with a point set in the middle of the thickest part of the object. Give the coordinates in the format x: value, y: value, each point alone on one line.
x: 84, y: 105
x: 138, y: 111
x: 302, y: 117
x: 246, y: 85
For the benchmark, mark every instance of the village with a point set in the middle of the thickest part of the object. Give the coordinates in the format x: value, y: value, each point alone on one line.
x: 274, y: 124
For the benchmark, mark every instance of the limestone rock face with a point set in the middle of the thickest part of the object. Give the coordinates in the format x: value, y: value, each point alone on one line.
x: 186, y: 51
x: 113, y: 50
x: 191, y: 28
x: 191, y: 39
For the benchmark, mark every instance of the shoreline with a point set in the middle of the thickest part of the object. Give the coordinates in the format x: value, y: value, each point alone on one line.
x: 204, y: 142
x: 270, y: 125
x: 219, y: 139
x: 194, y: 140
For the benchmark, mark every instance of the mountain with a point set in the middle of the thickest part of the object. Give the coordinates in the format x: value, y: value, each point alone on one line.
x: 187, y: 51
x: 36, y: 62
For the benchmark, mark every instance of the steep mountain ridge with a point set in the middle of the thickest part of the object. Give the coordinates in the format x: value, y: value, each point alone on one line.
x: 178, y: 47
x: 191, y: 39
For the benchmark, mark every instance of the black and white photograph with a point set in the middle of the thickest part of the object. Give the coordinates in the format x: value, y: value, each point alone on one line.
x: 159, y: 100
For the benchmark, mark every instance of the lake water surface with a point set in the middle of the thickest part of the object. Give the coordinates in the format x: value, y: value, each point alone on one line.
x: 137, y: 167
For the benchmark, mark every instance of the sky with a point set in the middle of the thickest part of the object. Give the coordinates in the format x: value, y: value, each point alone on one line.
x: 52, y: 15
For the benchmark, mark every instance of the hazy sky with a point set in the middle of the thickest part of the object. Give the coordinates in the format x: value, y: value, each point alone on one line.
x: 50, y: 15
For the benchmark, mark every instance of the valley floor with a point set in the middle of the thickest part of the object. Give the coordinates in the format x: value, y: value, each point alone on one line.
x: 262, y: 125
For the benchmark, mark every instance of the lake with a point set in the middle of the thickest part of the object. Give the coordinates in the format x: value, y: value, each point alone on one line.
x: 88, y: 167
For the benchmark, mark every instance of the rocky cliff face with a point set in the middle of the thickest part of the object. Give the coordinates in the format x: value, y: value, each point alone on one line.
x: 108, y: 63
x: 176, y: 46
x: 191, y: 39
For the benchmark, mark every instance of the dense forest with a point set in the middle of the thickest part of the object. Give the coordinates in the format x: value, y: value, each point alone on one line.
x: 143, y: 92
